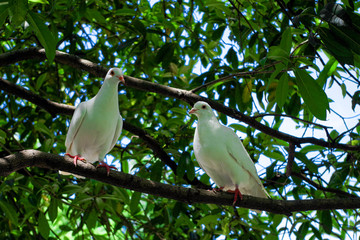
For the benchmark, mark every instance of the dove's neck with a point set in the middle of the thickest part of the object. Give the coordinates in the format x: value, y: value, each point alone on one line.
x: 207, y: 125
x: 108, y: 94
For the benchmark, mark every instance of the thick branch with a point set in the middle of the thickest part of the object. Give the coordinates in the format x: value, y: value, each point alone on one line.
x: 187, y: 96
x: 34, y: 158
x: 58, y: 108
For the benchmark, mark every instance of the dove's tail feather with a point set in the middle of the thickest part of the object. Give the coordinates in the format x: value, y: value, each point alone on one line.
x: 259, y: 192
x: 67, y: 173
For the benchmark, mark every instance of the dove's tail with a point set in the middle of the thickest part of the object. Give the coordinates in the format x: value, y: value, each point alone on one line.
x: 67, y: 173
x: 261, y: 192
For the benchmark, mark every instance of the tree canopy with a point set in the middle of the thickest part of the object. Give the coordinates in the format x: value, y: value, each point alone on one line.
x: 275, y: 71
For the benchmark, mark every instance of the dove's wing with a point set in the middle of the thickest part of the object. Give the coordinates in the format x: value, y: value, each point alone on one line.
x: 238, y: 153
x: 117, y: 133
x: 75, y: 124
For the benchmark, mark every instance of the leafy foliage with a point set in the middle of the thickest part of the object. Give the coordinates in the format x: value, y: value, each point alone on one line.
x: 266, y: 57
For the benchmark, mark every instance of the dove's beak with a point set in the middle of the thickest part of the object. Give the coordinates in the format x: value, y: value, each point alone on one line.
x: 192, y: 111
x: 121, y: 78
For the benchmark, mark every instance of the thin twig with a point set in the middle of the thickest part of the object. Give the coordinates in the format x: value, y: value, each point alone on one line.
x: 289, y: 116
x: 290, y: 161
x: 240, y: 13
x: 319, y: 187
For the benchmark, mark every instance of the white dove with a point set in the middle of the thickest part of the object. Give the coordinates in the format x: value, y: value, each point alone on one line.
x: 96, y: 124
x: 221, y: 154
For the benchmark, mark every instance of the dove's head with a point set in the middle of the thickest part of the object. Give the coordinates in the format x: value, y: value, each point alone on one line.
x: 201, y: 109
x: 115, y: 74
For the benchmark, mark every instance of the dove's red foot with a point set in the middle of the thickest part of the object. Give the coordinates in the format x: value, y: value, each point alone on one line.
x: 76, y: 158
x: 103, y: 164
x: 237, y: 194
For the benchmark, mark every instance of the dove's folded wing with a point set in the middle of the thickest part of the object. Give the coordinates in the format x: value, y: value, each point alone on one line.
x: 117, y: 133
x: 238, y: 152
x: 76, y: 121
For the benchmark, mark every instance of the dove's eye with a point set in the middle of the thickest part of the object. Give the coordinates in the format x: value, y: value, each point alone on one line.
x: 203, y: 106
x: 112, y: 73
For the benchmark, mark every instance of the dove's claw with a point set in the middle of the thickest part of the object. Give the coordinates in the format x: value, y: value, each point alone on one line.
x: 105, y: 165
x: 217, y: 189
x: 76, y: 158
x: 237, y: 194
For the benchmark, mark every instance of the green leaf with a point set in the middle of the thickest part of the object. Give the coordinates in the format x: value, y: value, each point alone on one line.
x: 44, y: 35
x: 209, y: 219
x: 303, y: 230
x: 328, y: 70
x: 180, y: 170
x: 348, y: 37
x: 41, y: 127
x: 4, y: 13
x: 311, y: 148
x: 39, y: 1
x: 18, y: 10
x: 336, y: 47
x: 246, y: 93
x: 139, y: 26
x: 316, y: 232
x: 343, y: 89
x: 165, y: 54
x: 232, y: 58
x: 282, y: 90
x: 293, y: 106
x: 91, y: 219
x: 156, y: 171
x: 190, y: 168
x: 286, y: 40
x: 125, y: 12
x: 277, y: 53
x: 277, y: 220
x: 313, y: 95
x: 217, y: 34
x: 326, y: 221
x: 2, y: 137
x: 43, y: 226
x: 40, y: 81
x: 355, y: 100
x: 94, y: 14
x: 10, y: 212
x: 308, y: 163
x: 134, y: 203
x: 238, y: 127
x: 338, y: 177
x: 53, y: 209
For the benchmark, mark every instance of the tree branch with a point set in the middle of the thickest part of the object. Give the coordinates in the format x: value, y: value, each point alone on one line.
x: 52, y: 107
x: 34, y: 158
x: 184, y: 95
